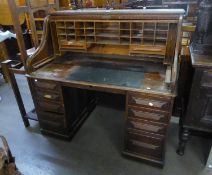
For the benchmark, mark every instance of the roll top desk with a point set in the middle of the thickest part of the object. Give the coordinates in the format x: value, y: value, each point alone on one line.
x: 128, y: 52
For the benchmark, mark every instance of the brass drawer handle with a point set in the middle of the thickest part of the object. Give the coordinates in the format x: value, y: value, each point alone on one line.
x: 47, y: 96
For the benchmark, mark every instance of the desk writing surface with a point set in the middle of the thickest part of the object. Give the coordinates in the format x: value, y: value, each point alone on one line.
x: 139, y: 78
x: 110, y: 76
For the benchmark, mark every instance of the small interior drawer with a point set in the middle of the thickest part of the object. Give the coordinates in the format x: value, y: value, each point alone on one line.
x: 149, y: 101
x: 42, y: 84
x: 148, y: 114
x: 144, y: 125
x: 144, y: 145
x: 145, y: 49
x: 50, y: 107
x: 73, y: 45
x: 49, y: 96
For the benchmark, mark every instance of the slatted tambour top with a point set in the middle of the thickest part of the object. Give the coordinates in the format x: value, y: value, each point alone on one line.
x: 121, y: 32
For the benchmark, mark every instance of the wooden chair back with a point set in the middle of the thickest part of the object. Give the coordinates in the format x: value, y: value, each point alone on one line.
x: 28, y: 7
x: 5, y: 15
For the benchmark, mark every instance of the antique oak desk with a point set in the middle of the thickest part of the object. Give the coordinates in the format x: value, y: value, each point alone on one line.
x: 129, y: 52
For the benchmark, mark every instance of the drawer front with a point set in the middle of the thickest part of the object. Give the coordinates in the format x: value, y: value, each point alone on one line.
x: 139, y: 49
x: 148, y: 114
x: 50, y: 107
x: 150, y: 101
x: 144, y: 145
x: 47, y: 95
x: 48, y: 85
x: 51, y: 116
x: 52, y: 126
x: 143, y: 125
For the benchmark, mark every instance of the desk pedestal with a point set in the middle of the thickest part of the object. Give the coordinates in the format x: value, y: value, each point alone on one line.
x: 147, y: 121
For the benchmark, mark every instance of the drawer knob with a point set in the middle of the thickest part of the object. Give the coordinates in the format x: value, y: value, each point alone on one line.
x: 151, y: 104
x: 47, y: 96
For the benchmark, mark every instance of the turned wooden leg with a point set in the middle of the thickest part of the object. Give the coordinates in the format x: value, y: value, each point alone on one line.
x: 183, y: 138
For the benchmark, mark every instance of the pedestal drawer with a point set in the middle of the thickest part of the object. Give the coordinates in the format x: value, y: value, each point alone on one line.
x: 147, y: 126
x: 50, y: 107
x: 148, y: 114
x: 52, y: 126
x: 43, y: 84
x: 149, y: 101
x: 143, y: 144
x: 51, y: 116
x: 49, y: 96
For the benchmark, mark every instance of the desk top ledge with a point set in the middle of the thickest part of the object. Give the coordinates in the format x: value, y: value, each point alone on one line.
x: 120, y: 12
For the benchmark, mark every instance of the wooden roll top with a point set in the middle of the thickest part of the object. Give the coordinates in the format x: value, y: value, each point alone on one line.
x: 135, y: 34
